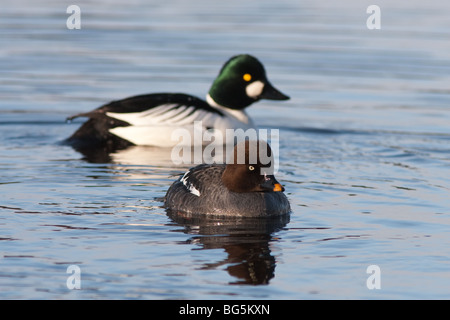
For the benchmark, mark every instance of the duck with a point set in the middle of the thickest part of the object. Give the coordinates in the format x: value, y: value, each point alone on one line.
x: 151, y: 119
x: 240, y: 188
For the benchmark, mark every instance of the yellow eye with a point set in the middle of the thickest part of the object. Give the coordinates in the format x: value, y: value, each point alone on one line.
x: 247, y: 77
x: 251, y: 168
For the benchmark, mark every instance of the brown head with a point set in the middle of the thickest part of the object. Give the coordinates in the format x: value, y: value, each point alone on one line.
x: 250, y: 169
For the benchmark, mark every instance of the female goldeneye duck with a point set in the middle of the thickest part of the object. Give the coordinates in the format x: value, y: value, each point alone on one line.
x: 151, y: 119
x: 239, y: 188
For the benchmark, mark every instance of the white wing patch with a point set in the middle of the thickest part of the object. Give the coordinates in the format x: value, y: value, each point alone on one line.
x: 166, y: 114
x: 155, y: 126
x: 189, y: 185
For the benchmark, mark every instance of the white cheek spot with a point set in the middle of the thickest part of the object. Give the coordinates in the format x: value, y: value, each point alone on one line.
x: 254, y: 89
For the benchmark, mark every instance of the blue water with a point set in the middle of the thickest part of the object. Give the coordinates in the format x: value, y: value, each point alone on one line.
x: 364, y: 151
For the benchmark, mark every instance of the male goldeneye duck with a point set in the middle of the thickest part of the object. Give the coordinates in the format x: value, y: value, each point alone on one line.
x: 240, y: 188
x: 151, y: 119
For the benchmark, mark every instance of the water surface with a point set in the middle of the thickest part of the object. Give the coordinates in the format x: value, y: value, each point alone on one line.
x: 364, y: 151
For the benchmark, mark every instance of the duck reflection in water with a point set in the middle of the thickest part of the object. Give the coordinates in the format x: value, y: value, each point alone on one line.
x: 245, y: 240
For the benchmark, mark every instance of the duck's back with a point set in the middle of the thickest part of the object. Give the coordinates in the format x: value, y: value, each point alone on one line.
x: 142, y: 120
x: 201, y: 191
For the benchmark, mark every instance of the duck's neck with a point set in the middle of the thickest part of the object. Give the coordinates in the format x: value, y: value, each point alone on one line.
x: 240, y: 115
